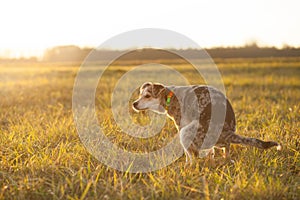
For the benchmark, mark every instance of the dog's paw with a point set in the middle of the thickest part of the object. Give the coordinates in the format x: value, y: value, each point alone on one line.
x: 279, y: 147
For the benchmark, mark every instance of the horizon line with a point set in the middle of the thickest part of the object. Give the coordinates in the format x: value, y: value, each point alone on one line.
x: 9, y: 53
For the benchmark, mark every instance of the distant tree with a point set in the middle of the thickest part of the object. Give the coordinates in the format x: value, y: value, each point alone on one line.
x: 252, y: 44
x: 64, y: 53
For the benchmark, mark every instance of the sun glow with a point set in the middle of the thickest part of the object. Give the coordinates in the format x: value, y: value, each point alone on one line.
x: 29, y: 27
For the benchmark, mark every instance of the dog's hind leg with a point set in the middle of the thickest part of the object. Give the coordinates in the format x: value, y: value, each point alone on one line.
x: 226, y: 151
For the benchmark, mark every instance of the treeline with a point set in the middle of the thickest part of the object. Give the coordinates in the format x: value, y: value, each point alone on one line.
x: 74, y: 53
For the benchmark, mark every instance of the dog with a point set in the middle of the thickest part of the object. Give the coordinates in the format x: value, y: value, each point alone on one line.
x: 190, y: 107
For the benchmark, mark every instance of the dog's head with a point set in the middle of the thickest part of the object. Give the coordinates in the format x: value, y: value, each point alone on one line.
x: 152, y: 97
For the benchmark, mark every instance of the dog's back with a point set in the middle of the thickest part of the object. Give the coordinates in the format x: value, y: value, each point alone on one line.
x: 209, y: 99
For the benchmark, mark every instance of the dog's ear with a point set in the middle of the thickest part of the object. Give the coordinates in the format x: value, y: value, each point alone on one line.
x: 147, y: 84
x: 158, y: 89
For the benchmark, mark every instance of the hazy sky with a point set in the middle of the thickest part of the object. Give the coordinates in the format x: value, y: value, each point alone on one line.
x: 28, y: 27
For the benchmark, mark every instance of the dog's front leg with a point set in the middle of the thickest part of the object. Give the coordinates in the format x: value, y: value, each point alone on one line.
x: 187, y: 134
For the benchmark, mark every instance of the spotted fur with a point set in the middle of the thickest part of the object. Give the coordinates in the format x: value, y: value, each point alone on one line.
x: 191, y: 110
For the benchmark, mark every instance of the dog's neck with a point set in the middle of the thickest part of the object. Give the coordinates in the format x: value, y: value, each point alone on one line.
x: 173, y: 109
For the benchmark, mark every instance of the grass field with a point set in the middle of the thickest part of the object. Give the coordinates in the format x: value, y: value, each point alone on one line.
x: 42, y: 157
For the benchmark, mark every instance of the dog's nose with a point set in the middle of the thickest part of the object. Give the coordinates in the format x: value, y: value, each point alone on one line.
x: 135, y: 104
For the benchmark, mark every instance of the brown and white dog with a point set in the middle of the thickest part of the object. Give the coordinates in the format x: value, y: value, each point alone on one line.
x: 190, y: 107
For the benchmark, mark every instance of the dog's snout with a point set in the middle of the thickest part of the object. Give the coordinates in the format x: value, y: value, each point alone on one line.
x: 135, y: 104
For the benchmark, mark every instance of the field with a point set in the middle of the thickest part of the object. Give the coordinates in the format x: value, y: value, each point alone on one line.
x: 42, y: 157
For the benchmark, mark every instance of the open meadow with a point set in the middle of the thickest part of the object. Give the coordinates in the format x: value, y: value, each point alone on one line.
x: 42, y: 157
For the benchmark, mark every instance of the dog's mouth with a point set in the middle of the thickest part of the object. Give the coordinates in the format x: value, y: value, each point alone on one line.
x: 139, y: 110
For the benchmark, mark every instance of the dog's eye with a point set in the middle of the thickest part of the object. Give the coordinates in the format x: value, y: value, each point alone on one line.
x: 147, y: 96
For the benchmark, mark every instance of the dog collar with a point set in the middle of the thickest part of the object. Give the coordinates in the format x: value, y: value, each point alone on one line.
x: 169, y: 96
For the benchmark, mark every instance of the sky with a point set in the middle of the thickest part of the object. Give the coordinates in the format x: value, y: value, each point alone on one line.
x: 29, y: 27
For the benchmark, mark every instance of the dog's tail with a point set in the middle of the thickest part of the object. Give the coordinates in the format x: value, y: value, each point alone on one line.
x: 238, y: 139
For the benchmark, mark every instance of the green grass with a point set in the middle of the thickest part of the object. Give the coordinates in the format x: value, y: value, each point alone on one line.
x: 41, y: 156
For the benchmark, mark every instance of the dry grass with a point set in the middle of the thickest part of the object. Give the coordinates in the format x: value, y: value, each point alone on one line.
x: 42, y: 157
